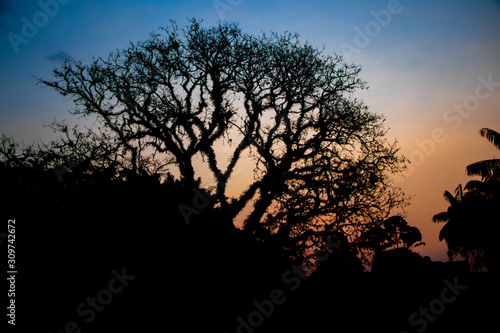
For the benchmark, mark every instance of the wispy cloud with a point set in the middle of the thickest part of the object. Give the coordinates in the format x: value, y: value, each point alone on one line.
x: 59, y: 57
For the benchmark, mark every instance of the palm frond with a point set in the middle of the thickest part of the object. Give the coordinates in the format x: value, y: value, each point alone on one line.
x: 484, y: 168
x: 459, y: 193
x: 450, y: 198
x: 440, y: 217
x: 491, y: 135
x: 474, y: 185
x: 443, y: 234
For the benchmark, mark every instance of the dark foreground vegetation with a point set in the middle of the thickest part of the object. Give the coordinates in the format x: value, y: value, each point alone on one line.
x: 204, y: 276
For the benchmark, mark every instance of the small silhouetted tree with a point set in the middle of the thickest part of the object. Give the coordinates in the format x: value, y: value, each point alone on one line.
x: 321, y: 159
x: 393, y: 233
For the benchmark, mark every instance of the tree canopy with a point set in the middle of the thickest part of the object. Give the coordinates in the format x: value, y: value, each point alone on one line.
x: 321, y: 160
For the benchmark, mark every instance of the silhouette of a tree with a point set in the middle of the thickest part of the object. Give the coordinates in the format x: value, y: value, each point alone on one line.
x: 473, y: 210
x: 489, y: 170
x: 453, y: 219
x: 321, y: 159
x: 393, y: 233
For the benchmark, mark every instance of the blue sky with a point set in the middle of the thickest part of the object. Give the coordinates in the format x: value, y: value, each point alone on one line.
x: 419, y: 62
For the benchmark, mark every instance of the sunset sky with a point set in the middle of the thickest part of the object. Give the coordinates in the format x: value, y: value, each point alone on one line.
x: 432, y: 67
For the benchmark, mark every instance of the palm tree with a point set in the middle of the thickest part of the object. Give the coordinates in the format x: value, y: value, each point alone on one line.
x: 470, y: 218
x: 453, y: 220
x: 487, y: 169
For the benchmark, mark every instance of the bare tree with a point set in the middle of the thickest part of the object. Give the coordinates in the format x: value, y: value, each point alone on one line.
x: 322, y: 162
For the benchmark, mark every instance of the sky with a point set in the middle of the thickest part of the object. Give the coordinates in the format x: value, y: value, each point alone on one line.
x: 432, y: 67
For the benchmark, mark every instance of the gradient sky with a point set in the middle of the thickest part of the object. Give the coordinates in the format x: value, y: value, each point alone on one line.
x: 427, y: 64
